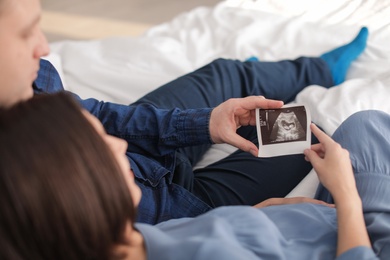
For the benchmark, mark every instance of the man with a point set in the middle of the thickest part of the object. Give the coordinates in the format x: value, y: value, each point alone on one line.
x: 22, y: 46
x: 170, y: 129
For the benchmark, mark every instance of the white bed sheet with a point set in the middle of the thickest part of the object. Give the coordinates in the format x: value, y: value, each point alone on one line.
x: 122, y: 69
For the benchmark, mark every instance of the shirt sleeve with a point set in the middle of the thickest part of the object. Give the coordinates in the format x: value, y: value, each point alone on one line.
x: 146, y: 128
x: 360, y: 252
x: 152, y: 130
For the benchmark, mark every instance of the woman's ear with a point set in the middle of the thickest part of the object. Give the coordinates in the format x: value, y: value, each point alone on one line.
x: 132, y: 247
x: 120, y: 251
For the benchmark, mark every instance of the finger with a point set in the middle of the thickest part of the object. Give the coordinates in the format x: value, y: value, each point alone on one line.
x: 271, y: 103
x: 321, y: 154
x: 312, y: 157
x: 254, y: 102
x: 322, y: 137
x: 294, y: 200
x: 318, y: 148
x: 243, y: 144
x: 319, y: 202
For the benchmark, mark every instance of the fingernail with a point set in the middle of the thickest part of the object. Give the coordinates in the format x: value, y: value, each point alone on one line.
x: 253, y: 152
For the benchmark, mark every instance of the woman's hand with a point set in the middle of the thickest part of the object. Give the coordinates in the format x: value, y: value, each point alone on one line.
x: 333, y: 165
x: 334, y: 169
x: 234, y: 113
x: 294, y: 200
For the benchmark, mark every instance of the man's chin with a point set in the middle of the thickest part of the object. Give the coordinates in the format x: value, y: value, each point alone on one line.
x: 29, y: 93
x: 11, y: 102
x: 35, y: 76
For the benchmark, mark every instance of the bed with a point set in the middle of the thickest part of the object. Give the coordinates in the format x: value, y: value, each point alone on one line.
x: 122, y: 69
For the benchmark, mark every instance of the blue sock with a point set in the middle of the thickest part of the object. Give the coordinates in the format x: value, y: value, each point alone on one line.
x: 341, y: 58
x: 252, y: 58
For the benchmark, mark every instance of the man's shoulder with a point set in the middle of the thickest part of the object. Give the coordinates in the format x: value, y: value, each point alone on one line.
x: 48, y: 79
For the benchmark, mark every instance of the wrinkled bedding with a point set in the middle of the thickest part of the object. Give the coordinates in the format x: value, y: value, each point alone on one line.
x: 122, y: 69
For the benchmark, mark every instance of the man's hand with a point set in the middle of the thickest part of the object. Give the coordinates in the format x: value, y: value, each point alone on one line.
x: 236, y: 112
x: 294, y: 200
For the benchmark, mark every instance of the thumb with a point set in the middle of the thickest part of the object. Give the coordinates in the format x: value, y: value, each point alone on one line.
x: 313, y: 157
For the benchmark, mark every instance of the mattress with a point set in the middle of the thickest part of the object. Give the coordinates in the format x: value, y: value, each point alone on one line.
x: 123, y: 69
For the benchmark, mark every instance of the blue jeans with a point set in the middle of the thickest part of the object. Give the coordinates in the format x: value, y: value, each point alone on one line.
x: 239, y: 178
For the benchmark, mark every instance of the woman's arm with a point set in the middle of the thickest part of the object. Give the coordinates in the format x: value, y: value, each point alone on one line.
x: 352, y: 230
x: 334, y: 169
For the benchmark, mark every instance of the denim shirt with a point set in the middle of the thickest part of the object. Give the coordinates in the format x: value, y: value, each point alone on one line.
x: 153, y: 136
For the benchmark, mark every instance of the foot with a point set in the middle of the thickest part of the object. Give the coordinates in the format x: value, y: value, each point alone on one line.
x: 341, y: 58
x: 252, y: 58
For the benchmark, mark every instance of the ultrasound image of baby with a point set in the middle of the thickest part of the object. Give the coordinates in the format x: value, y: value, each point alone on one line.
x: 287, y: 128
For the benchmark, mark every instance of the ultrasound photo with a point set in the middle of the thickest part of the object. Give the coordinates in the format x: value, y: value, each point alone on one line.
x: 288, y: 124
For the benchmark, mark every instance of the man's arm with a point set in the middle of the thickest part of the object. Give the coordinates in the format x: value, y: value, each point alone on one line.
x: 160, y: 131
x: 151, y: 130
x: 146, y: 128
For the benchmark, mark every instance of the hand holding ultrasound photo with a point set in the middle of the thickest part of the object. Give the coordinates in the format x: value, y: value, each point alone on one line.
x: 283, y: 131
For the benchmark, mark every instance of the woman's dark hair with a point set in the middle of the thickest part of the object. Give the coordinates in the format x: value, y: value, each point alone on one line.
x: 62, y: 193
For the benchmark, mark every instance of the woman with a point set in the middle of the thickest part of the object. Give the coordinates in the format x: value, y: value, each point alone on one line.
x: 64, y: 191
x: 170, y: 186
